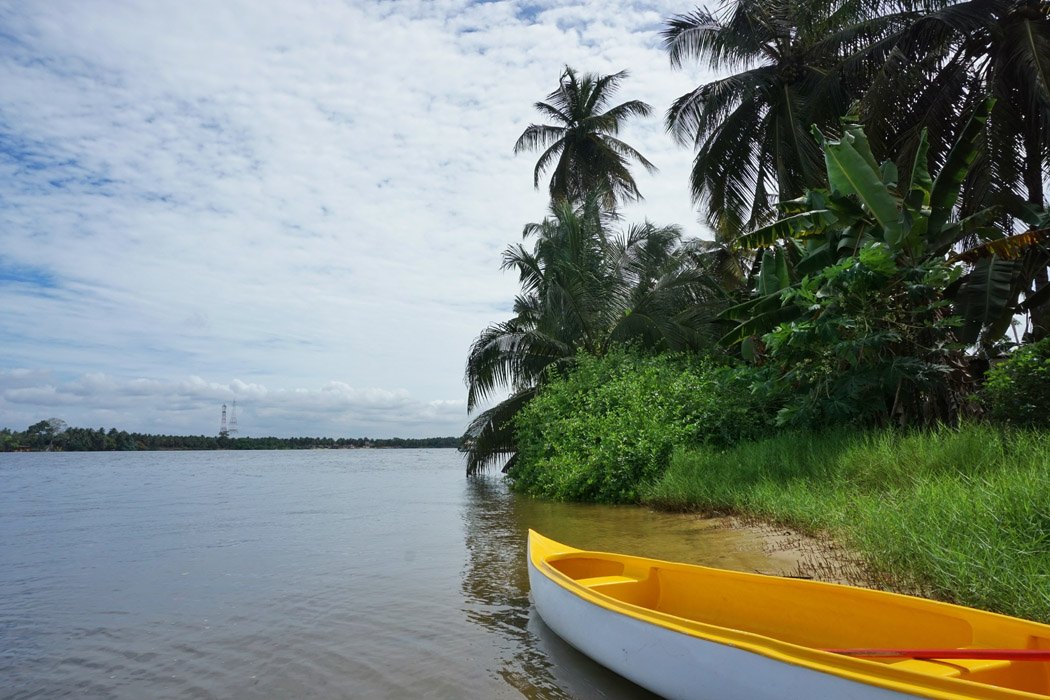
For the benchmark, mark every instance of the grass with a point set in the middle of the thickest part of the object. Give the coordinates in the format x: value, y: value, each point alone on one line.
x: 963, y: 515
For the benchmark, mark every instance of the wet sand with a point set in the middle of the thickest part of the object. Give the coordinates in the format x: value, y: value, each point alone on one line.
x: 785, y: 552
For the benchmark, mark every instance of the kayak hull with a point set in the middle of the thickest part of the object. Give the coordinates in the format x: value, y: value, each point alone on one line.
x: 677, y: 666
x: 691, y: 632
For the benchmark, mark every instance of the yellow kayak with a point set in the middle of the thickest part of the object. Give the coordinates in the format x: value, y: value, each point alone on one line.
x: 692, y: 632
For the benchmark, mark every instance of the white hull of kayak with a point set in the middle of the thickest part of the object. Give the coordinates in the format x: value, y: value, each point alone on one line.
x: 679, y: 666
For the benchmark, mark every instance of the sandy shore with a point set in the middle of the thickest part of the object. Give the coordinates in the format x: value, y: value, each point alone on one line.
x: 780, y: 551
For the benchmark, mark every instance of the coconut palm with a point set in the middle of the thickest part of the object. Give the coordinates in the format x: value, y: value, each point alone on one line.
x: 798, y: 64
x: 666, y: 294
x: 582, y: 142
x: 583, y: 290
x: 950, y: 57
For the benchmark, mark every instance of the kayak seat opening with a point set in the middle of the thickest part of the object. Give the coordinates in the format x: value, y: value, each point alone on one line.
x: 578, y: 568
x: 641, y: 592
x: 635, y: 586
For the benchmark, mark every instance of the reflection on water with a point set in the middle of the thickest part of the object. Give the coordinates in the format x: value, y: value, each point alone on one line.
x: 495, y: 582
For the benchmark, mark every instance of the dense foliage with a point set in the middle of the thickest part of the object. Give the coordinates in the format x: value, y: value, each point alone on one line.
x: 876, y: 176
x: 585, y: 288
x: 869, y: 346
x: 582, y: 144
x: 1017, y: 390
x: 862, y: 304
x: 46, y: 435
x: 609, y: 427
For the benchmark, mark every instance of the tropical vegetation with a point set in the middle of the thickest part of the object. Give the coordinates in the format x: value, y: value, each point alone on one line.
x: 868, y: 319
x: 581, y: 144
x: 585, y: 289
x: 860, y: 304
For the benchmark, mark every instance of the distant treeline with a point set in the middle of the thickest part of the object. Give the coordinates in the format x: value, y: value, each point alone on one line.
x: 54, y: 435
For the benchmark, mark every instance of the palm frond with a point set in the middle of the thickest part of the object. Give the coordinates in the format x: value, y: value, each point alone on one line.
x: 491, y: 433
x: 614, y: 117
x: 538, y: 136
x: 603, y: 86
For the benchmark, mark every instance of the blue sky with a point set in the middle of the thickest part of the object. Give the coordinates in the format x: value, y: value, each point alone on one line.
x: 300, y: 208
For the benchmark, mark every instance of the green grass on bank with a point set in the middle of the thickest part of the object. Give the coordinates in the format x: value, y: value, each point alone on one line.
x: 961, y: 515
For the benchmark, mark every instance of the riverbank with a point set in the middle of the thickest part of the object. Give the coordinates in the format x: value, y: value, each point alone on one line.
x: 962, y: 516
x: 794, y: 554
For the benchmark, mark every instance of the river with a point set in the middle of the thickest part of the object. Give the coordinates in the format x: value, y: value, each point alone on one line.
x: 307, y: 574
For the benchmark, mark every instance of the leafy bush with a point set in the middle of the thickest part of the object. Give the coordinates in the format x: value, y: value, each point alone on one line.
x: 610, y: 426
x: 869, y: 344
x: 1017, y: 391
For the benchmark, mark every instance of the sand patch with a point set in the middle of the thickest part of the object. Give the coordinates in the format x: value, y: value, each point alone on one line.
x: 764, y: 548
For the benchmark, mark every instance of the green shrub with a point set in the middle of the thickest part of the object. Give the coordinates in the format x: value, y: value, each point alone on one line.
x: 1017, y: 390
x: 610, y: 426
x: 869, y: 344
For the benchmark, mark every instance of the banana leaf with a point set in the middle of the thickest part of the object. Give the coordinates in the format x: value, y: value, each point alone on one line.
x: 761, y: 324
x: 945, y: 192
x: 774, y: 274
x: 749, y: 308
x: 921, y: 184
x: 984, y: 295
x: 809, y: 223
x: 851, y: 171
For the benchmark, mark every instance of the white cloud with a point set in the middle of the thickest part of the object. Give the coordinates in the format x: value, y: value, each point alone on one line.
x: 312, y: 196
x: 193, y: 404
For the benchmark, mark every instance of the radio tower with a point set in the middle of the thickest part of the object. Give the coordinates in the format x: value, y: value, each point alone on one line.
x: 223, y: 432
x: 233, y: 419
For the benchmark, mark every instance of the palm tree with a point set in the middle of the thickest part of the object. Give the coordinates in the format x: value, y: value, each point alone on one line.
x: 799, y: 64
x: 553, y: 316
x: 947, y: 59
x: 583, y: 289
x: 666, y: 294
x: 950, y: 58
x: 583, y: 139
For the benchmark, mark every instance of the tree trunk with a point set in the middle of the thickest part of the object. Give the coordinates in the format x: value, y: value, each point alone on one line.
x: 1033, y: 179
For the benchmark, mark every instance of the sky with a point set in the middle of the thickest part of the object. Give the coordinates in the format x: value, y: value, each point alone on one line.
x: 299, y: 206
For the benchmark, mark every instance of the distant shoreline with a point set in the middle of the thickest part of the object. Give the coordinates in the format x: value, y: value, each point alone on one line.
x: 38, y: 439
x: 244, y: 449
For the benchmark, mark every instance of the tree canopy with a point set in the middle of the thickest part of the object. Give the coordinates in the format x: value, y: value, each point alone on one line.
x: 584, y: 289
x: 582, y: 144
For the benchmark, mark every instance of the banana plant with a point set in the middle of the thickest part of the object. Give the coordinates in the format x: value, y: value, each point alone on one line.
x: 870, y: 203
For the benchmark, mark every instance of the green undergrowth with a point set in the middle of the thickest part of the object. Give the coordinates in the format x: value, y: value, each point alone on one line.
x: 959, y: 515
x: 602, y: 432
